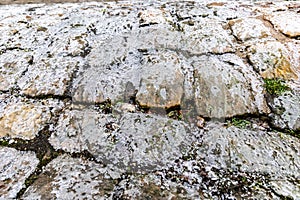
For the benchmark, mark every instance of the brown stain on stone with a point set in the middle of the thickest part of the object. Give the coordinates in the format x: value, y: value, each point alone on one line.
x: 282, y: 69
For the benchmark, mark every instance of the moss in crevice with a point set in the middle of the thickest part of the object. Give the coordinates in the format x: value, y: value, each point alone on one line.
x: 275, y: 86
x: 239, y: 123
x: 174, y: 113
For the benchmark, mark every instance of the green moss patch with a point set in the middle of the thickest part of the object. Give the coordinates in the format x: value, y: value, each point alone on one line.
x: 240, y: 123
x: 275, y: 86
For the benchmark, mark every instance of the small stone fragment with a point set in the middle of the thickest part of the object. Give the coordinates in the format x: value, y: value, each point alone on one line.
x: 200, y: 122
x: 150, y: 17
x: 126, y: 107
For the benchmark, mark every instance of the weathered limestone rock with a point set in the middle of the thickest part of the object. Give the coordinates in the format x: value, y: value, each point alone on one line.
x: 23, y: 118
x: 131, y: 142
x: 275, y: 60
x: 15, y: 167
x: 249, y: 28
x: 204, y: 56
x: 286, y: 111
x: 48, y: 77
x: 287, y: 188
x: 150, y: 17
x: 252, y: 151
x: 273, y: 154
x: 162, y: 81
x: 71, y: 178
x: 13, y: 63
x: 225, y: 87
x: 116, y: 76
x: 286, y: 22
x: 206, y: 36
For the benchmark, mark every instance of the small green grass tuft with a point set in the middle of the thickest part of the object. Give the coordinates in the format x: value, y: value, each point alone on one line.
x: 240, y: 123
x: 275, y: 86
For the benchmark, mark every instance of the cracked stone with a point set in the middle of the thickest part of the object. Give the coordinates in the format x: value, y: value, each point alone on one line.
x: 51, y: 76
x: 161, y: 84
x: 24, y: 118
x: 15, y: 167
x: 252, y: 151
x: 275, y: 60
x: 71, y: 178
x: 225, y: 87
x: 286, y: 111
x: 286, y: 22
x: 134, y: 142
x: 206, y: 36
x: 13, y: 64
x: 249, y: 28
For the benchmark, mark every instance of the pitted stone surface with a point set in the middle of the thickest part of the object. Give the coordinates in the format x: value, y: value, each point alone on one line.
x: 100, y: 81
x: 162, y: 80
x: 223, y: 87
x: 24, y: 118
x: 249, y: 28
x: 13, y: 63
x: 275, y: 60
x: 286, y: 111
x: 246, y: 150
x: 134, y: 142
x: 286, y: 22
x: 71, y: 178
x: 15, y: 167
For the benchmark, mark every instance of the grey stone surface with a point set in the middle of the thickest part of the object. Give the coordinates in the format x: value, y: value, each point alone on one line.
x: 15, y: 167
x: 126, y: 93
x: 71, y: 178
x: 131, y: 142
x: 286, y: 111
x: 225, y: 87
x: 254, y: 151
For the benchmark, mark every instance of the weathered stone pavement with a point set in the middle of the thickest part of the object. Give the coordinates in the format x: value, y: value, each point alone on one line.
x: 150, y: 100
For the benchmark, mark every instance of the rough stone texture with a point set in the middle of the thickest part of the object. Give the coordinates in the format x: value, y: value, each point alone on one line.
x: 207, y: 36
x: 15, y: 167
x: 71, y: 178
x: 286, y: 22
x: 23, y: 118
x: 248, y: 150
x: 162, y: 81
x: 102, y: 81
x: 255, y: 151
x: 48, y: 77
x: 286, y: 111
x: 225, y: 86
x: 275, y: 60
x: 249, y: 28
x: 13, y: 63
x: 131, y: 142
